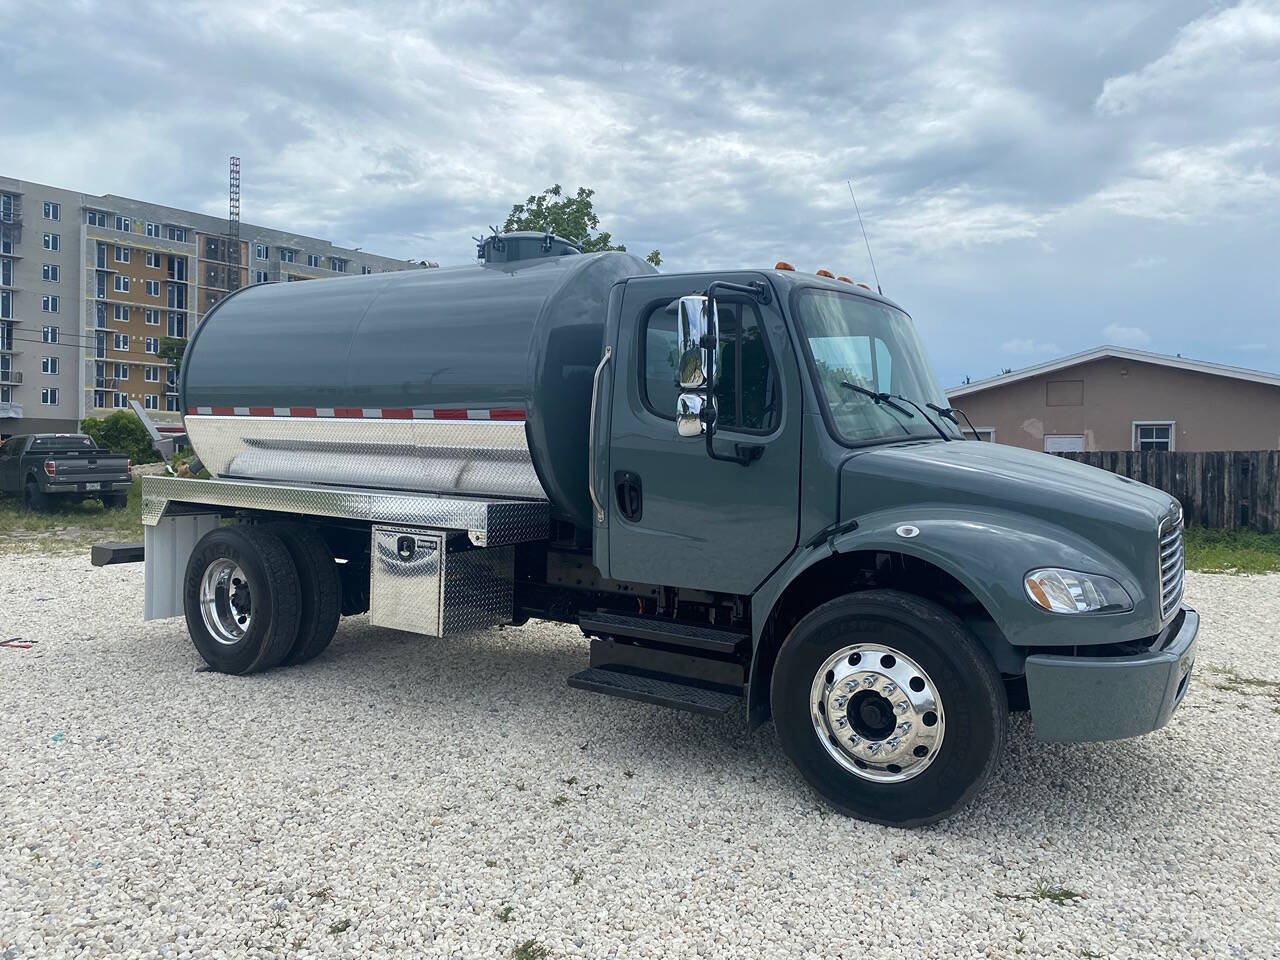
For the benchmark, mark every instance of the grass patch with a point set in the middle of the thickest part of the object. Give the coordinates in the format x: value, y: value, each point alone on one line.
x: 1232, y: 551
x: 69, y: 525
x: 1233, y: 682
x: 1050, y: 892
x: 506, y: 914
x: 530, y: 950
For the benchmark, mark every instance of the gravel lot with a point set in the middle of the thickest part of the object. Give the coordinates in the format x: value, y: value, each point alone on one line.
x: 410, y: 797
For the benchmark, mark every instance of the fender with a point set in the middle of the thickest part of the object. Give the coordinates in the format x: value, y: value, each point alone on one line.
x: 989, y: 551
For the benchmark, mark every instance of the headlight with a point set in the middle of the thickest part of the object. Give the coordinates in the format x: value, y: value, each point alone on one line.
x: 1066, y: 591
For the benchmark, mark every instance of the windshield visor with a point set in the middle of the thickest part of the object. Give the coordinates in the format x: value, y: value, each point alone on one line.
x: 875, y: 346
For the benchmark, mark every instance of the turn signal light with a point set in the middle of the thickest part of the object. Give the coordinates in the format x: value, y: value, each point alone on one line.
x: 826, y: 273
x: 783, y: 265
x: 844, y: 279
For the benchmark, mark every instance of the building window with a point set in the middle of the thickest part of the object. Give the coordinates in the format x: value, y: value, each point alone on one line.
x: 338, y: 264
x: 171, y: 404
x: 365, y: 270
x: 122, y: 223
x: 151, y: 374
x: 121, y: 371
x: 261, y: 251
x: 49, y: 335
x: 981, y: 433
x: 151, y: 401
x: 95, y: 219
x: 259, y: 276
x: 49, y: 396
x: 152, y: 344
x: 122, y: 254
x: 52, y: 211
x: 153, y: 259
x: 288, y: 256
x: 1063, y: 443
x: 51, y: 272
x: 120, y: 401
x: 49, y: 303
x: 177, y: 325
x: 153, y: 288
x: 120, y: 341
x: 50, y: 365
x: 152, y: 229
x: 6, y: 305
x: 120, y: 312
x: 176, y: 233
x: 122, y: 283
x: 1153, y: 435
x: 313, y: 259
x: 53, y: 241
x: 6, y: 273
x: 152, y: 318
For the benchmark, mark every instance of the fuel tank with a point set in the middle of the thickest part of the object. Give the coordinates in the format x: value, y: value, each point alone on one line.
x: 471, y: 380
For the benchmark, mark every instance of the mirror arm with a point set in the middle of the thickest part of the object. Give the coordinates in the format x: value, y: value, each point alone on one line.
x: 744, y: 453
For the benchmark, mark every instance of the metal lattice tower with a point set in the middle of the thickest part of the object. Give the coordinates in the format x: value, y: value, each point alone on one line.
x: 233, y: 228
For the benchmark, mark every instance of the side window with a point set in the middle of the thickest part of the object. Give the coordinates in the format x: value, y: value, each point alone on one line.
x: 746, y: 382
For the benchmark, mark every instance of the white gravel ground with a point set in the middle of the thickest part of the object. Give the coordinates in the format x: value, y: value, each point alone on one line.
x: 410, y: 797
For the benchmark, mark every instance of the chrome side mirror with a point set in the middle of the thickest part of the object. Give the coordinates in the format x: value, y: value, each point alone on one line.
x: 696, y: 324
x: 689, y: 422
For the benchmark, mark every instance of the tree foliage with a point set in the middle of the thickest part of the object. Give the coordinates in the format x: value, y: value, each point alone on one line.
x: 121, y: 433
x: 571, y: 216
x: 171, y: 350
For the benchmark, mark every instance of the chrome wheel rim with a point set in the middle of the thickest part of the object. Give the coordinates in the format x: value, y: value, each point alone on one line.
x: 877, y: 713
x: 225, y: 604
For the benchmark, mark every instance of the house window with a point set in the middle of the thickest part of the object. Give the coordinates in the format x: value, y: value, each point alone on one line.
x: 53, y: 241
x: 122, y: 254
x: 151, y: 374
x: 337, y: 264
x: 176, y: 233
x: 152, y: 344
x: 95, y: 219
x: 981, y: 433
x: 153, y: 288
x: 49, y: 334
x: 50, y: 271
x: 49, y: 396
x: 313, y: 259
x: 151, y: 401
x: 122, y: 283
x: 50, y: 365
x: 259, y: 276
x: 120, y: 312
x: 122, y: 223
x: 288, y: 256
x: 153, y: 259
x: 152, y: 230
x: 261, y: 251
x: 120, y: 401
x: 49, y: 303
x: 1153, y: 435
x: 120, y: 341
x: 1063, y: 443
x: 152, y: 318
x: 52, y: 211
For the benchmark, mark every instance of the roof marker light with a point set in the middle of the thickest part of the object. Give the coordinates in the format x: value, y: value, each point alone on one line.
x: 826, y: 273
x: 783, y: 265
x: 844, y: 279
x: 863, y: 285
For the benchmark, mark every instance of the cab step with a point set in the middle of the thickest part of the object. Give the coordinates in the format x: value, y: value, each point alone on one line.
x: 713, y: 639
x: 664, y: 692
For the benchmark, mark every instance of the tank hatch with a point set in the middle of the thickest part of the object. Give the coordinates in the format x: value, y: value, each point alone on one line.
x: 523, y: 245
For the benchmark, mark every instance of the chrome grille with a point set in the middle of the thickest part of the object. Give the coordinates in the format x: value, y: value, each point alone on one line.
x: 1171, y: 564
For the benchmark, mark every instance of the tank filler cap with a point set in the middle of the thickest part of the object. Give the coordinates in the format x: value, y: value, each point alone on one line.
x: 523, y: 245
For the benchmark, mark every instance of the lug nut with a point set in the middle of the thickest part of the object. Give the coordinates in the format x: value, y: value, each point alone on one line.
x: 900, y: 707
x: 889, y: 688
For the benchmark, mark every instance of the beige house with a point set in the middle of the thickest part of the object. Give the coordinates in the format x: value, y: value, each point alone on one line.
x: 1115, y: 398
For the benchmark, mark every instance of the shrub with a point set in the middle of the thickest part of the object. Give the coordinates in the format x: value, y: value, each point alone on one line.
x: 122, y: 433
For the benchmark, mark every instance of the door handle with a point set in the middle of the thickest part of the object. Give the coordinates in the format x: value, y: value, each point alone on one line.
x: 591, y: 436
x: 629, y: 493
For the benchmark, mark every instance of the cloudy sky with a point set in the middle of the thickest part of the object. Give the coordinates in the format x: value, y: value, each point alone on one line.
x: 1036, y: 179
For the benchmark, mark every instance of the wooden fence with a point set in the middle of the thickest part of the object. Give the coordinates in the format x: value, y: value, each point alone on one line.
x: 1234, y: 490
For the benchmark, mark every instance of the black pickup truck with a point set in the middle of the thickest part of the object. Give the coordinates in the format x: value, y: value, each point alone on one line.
x: 46, y: 467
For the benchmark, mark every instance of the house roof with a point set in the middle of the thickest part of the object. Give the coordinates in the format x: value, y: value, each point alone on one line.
x: 1123, y: 353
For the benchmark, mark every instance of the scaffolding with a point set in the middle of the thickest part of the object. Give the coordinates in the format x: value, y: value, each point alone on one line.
x: 233, y: 227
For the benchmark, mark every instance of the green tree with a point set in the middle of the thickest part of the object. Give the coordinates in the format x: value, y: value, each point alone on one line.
x: 571, y: 216
x: 121, y: 433
x: 171, y: 350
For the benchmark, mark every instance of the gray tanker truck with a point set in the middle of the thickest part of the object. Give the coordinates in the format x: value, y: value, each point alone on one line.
x: 744, y: 486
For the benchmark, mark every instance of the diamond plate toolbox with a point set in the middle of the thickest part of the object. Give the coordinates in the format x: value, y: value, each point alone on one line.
x: 434, y: 583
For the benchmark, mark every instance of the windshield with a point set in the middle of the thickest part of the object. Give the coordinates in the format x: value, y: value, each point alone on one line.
x: 874, y: 346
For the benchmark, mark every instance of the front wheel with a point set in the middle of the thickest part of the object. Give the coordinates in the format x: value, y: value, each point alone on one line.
x: 889, y: 707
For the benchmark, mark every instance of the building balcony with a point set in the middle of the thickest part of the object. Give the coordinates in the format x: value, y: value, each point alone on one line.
x: 10, y: 378
x: 129, y: 238
x: 10, y: 408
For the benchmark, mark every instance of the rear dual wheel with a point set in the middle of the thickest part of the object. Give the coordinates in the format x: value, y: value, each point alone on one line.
x: 258, y: 597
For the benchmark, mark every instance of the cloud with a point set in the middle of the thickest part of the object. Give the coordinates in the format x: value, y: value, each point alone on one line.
x: 1125, y: 336
x: 1029, y: 347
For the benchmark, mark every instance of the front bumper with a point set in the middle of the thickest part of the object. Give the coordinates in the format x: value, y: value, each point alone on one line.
x: 1110, y: 698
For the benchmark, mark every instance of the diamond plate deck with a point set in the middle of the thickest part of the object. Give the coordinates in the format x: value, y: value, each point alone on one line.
x: 487, y: 522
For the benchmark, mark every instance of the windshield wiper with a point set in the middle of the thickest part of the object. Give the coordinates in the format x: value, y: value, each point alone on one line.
x: 884, y: 398
x: 950, y: 414
x: 928, y: 419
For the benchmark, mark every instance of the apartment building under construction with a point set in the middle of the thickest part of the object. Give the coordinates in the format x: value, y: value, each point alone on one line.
x: 92, y: 286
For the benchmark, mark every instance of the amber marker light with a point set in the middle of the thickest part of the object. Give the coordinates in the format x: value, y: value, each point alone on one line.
x: 862, y: 285
x: 783, y: 265
x: 844, y: 279
x: 826, y: 273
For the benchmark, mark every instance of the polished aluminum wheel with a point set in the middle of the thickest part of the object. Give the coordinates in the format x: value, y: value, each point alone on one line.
x: 225, y: 603
x: 877, y: 713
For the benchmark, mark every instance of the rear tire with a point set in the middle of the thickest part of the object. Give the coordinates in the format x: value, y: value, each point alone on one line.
x: 321, y: 593
x: 35, y: 499
x: 114, y: 501
x: 242, y: 598
x: 889, y: 707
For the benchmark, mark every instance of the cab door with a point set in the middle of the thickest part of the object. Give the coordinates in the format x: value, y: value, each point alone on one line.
x: 677, y: 516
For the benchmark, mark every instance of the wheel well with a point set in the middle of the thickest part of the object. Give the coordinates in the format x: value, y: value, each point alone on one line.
x: 845, y: 573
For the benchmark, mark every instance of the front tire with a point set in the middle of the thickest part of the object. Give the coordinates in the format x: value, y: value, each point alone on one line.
x: 241, y: 598
x: 889, y: 707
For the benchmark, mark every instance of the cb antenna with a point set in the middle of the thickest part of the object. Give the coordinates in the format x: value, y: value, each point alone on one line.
x: 865, y: 240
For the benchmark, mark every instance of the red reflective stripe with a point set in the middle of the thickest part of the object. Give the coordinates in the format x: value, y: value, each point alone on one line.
x: 223, y: 411
x: 302, y: 411
x: 506, y: 414
x: 348, y: 412
x: 397, y: 413
x: 451, y: 414
x: 191, y: 410
x: 262, y: 411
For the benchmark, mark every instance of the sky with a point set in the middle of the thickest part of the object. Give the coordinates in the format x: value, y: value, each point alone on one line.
x: 1036, y: 179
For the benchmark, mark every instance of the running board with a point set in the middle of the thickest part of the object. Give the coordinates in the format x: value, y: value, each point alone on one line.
x: 649, y: 689
x: 714, y: 639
